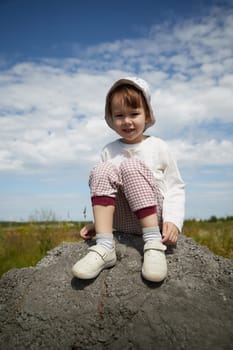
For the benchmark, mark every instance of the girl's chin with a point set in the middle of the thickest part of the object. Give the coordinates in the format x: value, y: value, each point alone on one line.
x: 132, y: 139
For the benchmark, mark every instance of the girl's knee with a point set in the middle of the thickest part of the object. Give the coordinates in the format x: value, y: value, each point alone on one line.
x: 103, y: 171
x: 134, y: 167
x: 129, y: 166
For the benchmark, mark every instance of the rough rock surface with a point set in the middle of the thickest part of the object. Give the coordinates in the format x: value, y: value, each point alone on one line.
x: 44, y: 307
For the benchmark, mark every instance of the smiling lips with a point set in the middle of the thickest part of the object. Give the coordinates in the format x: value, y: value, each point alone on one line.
x: 128, y: 131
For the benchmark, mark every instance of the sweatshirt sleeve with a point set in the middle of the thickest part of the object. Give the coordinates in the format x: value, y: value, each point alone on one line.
x: 174, y: 196
x: 104, y: 155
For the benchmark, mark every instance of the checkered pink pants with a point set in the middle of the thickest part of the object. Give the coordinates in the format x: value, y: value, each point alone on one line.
x: 132, y: 187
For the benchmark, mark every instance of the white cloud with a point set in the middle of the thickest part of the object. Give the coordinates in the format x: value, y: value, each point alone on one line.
x: 207, y: 153
x: 51, y: 112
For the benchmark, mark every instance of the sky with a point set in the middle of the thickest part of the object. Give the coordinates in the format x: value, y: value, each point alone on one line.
x: 57, y: 62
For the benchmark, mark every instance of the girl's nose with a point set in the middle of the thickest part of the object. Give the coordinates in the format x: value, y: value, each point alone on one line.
x: 127, y: 119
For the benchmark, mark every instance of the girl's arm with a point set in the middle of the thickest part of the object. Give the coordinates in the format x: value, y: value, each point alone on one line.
x: 174, y: 199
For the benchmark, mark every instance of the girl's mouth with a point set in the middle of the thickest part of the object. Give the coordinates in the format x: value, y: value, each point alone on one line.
x: 128, y: 131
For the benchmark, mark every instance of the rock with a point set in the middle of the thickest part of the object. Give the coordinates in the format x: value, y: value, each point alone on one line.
x: 44, y: 307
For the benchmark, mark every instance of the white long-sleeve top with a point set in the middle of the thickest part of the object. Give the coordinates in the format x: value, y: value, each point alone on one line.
x: 155, y: 154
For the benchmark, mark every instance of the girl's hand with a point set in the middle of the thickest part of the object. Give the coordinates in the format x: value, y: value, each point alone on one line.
x: 170, y: 233
x: 88, y: 231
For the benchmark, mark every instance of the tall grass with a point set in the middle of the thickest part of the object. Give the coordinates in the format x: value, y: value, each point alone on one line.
x: 216, y: 234
x: 24, y: 244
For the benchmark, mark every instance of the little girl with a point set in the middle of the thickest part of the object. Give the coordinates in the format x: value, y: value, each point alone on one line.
x: 136, y: 188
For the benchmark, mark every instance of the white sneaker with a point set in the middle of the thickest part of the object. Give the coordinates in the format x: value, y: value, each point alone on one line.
x: 94, y: 262
x: 154, y: 266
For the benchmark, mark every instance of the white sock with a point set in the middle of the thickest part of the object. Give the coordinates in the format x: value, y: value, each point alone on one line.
x: 151, y: 233
x: 105, y: 239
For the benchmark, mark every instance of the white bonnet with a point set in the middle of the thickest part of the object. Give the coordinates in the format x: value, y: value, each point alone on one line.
x: 141, y: 85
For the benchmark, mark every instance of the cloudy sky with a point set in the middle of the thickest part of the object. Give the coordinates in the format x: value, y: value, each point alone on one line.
x: 57, y: 61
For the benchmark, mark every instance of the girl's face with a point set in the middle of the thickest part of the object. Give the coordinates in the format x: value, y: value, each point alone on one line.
x: 128, y: 122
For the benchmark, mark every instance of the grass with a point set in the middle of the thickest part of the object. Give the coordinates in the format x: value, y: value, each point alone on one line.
x: 216, y: 234
x: 24, y: 244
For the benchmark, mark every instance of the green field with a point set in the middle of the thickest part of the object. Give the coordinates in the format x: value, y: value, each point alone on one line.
x: 24, y: 244
x: 216, y: 234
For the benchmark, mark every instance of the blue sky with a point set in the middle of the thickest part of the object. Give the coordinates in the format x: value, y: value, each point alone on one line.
x: 57, y: 61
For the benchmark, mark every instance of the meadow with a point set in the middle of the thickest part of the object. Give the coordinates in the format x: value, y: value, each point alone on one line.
x: 24, y: 244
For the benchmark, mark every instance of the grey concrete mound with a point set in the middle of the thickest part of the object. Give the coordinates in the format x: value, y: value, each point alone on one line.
x: 44, y: 307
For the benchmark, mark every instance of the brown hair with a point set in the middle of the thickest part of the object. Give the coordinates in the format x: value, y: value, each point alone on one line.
x: 128, y: 96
